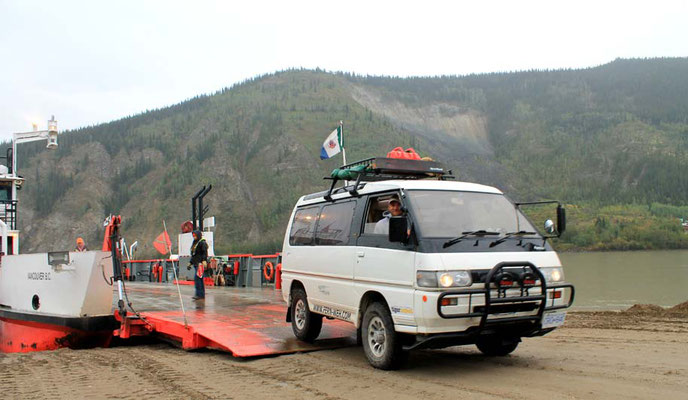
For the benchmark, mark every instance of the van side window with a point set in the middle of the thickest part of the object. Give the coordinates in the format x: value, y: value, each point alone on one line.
x: 303, y: 227
x: 377, y: 207
x: 334, y: 224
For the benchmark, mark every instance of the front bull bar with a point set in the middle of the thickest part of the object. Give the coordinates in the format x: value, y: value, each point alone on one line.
x: 490, y: 302
x: 533, y: 322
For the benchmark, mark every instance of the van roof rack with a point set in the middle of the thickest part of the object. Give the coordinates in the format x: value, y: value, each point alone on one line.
x: 384, y: 168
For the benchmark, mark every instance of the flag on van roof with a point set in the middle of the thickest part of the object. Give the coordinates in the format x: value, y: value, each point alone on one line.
x: 332, y: 145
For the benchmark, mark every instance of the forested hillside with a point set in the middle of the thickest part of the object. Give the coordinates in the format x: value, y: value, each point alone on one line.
x: 610, y: 141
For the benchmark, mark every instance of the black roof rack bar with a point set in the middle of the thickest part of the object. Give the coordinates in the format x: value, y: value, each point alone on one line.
x: 354, y: 190
x: 328, y: 196
x: 367, y: 162
x: 382, y: 168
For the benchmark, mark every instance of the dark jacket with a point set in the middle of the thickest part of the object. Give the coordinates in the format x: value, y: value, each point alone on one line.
x: 199, y: 252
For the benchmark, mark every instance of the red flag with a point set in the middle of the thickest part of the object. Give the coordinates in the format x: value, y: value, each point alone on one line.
x: 162, y: 243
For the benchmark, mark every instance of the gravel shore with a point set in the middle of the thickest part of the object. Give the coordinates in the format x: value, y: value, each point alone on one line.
x: 641, y: 353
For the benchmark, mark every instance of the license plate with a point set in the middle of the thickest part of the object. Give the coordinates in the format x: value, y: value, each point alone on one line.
x: 553, y: 319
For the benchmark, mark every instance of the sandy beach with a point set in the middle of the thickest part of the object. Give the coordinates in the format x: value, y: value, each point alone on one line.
x: 641, y: 353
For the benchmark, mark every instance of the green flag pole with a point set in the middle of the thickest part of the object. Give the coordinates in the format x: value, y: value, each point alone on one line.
x: 341, y: 140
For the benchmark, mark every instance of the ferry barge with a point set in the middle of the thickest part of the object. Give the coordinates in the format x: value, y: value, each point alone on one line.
x: 54, y: 299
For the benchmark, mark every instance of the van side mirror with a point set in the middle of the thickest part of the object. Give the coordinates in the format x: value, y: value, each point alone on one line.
x: 398, y: 229
x: 549, y: 226
x: 561, y: 219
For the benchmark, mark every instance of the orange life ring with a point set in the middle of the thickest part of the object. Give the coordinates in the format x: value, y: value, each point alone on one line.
x: 268, y: 271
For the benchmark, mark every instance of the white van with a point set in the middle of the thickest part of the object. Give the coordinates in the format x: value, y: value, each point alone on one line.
x: 461, y: 264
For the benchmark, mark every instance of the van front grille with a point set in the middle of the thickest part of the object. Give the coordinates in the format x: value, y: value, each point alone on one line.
x: 507, y: 308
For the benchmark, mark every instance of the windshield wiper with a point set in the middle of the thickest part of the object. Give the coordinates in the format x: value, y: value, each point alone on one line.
x: 464, y: 235
x: 510, y: 234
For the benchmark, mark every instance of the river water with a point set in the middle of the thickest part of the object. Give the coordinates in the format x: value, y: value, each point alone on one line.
x: 617, y: 280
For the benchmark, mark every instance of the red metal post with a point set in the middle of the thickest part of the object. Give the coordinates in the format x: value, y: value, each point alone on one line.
x: 278, y: 277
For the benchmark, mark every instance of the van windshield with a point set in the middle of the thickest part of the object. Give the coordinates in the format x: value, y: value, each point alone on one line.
x: 446, y: 214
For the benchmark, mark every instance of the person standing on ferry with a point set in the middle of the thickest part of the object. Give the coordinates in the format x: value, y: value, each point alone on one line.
x: 199, y: 260
x: 80, y: 245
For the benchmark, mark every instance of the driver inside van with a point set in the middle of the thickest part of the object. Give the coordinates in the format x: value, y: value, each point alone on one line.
x: 393, y: 210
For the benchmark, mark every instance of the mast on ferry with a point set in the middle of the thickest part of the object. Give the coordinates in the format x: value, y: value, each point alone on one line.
x: 10, y: 182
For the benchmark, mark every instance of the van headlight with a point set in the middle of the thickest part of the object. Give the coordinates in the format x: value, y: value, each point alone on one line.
x: 443, y: 279
x: 553, y: 274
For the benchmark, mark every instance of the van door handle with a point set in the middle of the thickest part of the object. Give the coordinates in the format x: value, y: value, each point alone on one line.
x: 360, y: 254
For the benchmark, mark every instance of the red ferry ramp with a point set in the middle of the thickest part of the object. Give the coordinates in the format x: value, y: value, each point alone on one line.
x: 246, y: 322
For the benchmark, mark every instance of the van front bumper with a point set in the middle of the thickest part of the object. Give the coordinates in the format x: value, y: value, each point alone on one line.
x: 516, y: 310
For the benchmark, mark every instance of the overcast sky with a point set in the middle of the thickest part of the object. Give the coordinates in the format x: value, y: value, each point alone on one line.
x: 89, y: 62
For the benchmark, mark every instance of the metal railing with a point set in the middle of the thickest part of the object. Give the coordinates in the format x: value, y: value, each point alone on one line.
x: 8, y: 213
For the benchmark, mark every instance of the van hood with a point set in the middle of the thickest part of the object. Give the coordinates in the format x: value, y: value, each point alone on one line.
x: 449, y: 261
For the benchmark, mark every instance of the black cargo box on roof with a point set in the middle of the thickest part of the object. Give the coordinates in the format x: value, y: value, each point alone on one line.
x: 414, y: 168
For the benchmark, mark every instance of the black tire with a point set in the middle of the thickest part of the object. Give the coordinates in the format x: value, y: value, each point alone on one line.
x: 381, y: 344
x: 305, y: 324
x: 495, y: 346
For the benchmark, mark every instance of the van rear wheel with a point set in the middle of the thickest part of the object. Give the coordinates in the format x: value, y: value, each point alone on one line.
x: 305, y: 324
x: 381, y: 344
x: 497, y: 346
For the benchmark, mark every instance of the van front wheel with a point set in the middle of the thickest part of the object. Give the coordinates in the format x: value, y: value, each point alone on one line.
x: 382, y: 345
x: 305, y: 324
